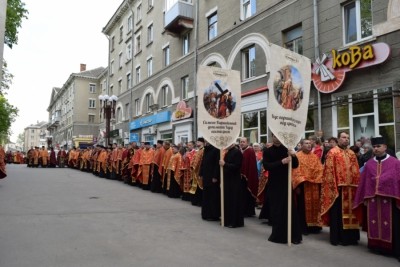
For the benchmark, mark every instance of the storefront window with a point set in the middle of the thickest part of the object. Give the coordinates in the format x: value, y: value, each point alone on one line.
x: 263, y: 122
x: 363, y: 103
x: 385, y: 103
x: 371, y: 114
x: 343, y: 112
x: 166, y: 136
x: 387, y: 132
x: 254, y: 126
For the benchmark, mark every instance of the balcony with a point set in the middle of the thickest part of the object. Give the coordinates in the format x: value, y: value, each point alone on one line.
x: 54, y: 122
x: 179, y: 18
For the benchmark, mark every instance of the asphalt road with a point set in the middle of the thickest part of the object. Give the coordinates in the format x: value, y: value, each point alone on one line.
x: 67, y: 218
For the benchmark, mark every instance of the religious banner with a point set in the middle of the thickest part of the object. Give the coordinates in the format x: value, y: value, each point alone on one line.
x: 219, y: 114
x: 289, y: 90
x: 219, y: 95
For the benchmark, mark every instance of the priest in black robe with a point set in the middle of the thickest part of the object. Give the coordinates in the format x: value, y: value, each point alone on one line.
x: 210, y: 174
x: 275, y: 160
x: 233, y: 189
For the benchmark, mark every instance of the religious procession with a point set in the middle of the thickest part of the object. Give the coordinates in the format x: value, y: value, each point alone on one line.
x: 347, y: 189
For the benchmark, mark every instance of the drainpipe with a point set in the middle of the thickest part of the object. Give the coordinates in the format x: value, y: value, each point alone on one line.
x: 316, y: 55
x: 196, y: 45
x: 131, y: 85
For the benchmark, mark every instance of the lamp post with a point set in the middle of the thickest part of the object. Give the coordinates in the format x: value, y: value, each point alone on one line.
x: 108, y: 104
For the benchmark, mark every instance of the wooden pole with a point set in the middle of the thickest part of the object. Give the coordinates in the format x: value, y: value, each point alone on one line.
x: 222, y: 189
x: 289, y: 215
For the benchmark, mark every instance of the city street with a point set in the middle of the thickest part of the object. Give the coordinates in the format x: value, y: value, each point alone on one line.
x: 67, y: 218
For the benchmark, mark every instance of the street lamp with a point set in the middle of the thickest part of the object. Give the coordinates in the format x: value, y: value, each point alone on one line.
x: 107, y: 104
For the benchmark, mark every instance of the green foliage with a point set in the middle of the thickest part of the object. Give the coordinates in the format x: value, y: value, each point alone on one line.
x: 8, y: 113
x: 7, y: 79
x: 15, y: 13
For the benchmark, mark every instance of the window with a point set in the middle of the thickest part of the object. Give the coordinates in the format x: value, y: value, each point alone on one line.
x: 248, y: 62
x: 149, y: 67
x: 148, y: 102
x: 128, y: 52
x: 294, y: 40
x: 247, y: 8
x: 111, y: 89
x: 366, y: 114
x: 185, y: 44
x: 167, y: 136
x: 112, y: 45
x: 91, y: 118
x: 119, y: 115
x: 166, y: 56
x: 138, y: 47
x: 128, y: 81
x: 185, y: 87
x: 164, y: 95
x: 130, y: 24
x: 139, y: 13
x: 137, y: 75
x: 120, y: 60
x: 92, y: 88
x: 92, y: 103
x: 119, y: 86
x: 112, y: 68
x: 137, y: 107
x: 254, y: 126
x: 212, y: 26
x: 150, y: 34
x: 357, y: 20
x: 121, y: 34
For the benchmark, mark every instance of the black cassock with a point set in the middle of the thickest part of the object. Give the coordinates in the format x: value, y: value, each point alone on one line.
x: 278, y: 194
x: 233, y: 191
x: 211, y: 205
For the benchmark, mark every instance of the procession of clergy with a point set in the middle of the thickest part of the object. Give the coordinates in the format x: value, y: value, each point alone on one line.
x: 329, y: 187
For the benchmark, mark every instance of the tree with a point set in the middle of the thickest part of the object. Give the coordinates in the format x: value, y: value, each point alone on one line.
x: 15, y: 13
x: 21, y: 138
x: 8, y: 113
x: 7, y: 79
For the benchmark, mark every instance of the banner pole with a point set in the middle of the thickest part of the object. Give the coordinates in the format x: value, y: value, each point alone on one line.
x: 222, y: 190
x: 289, y: 222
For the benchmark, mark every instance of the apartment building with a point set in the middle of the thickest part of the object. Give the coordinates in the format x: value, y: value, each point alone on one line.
x: 155, y: 48
x: 74, y: 111
x: 35, y: 135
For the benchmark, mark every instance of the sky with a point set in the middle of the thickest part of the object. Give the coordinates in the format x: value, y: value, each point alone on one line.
x: 52, y: 43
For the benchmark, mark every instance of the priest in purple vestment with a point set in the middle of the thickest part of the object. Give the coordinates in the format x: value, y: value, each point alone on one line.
x: 379, y: 191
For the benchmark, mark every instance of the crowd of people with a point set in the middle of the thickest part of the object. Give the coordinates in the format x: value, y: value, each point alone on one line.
x: 344, y: 188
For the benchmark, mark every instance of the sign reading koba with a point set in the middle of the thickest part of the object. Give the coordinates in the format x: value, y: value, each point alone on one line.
x: 329, y: 71
x: 219, y: 95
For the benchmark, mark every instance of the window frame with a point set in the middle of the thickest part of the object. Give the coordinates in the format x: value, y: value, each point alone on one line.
x: 248, y: 71
x: 185, y: 87
x: 358, y: 19
x: 212, y: 26
x: 92, y: 103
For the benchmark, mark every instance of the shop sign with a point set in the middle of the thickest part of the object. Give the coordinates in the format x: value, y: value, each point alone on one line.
x: 134, y: 137
x: 151, y: 120
x: 182, y: 112
x: 328, y: 73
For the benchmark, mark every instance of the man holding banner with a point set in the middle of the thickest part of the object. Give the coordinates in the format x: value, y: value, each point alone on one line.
x: 289, y: 90
x: 218, y: 121
x: 276, y: 162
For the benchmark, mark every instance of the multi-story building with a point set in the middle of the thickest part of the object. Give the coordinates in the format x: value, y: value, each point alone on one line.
x: 73, y: 109
x: 155, y: 48
x: 35, y: 135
